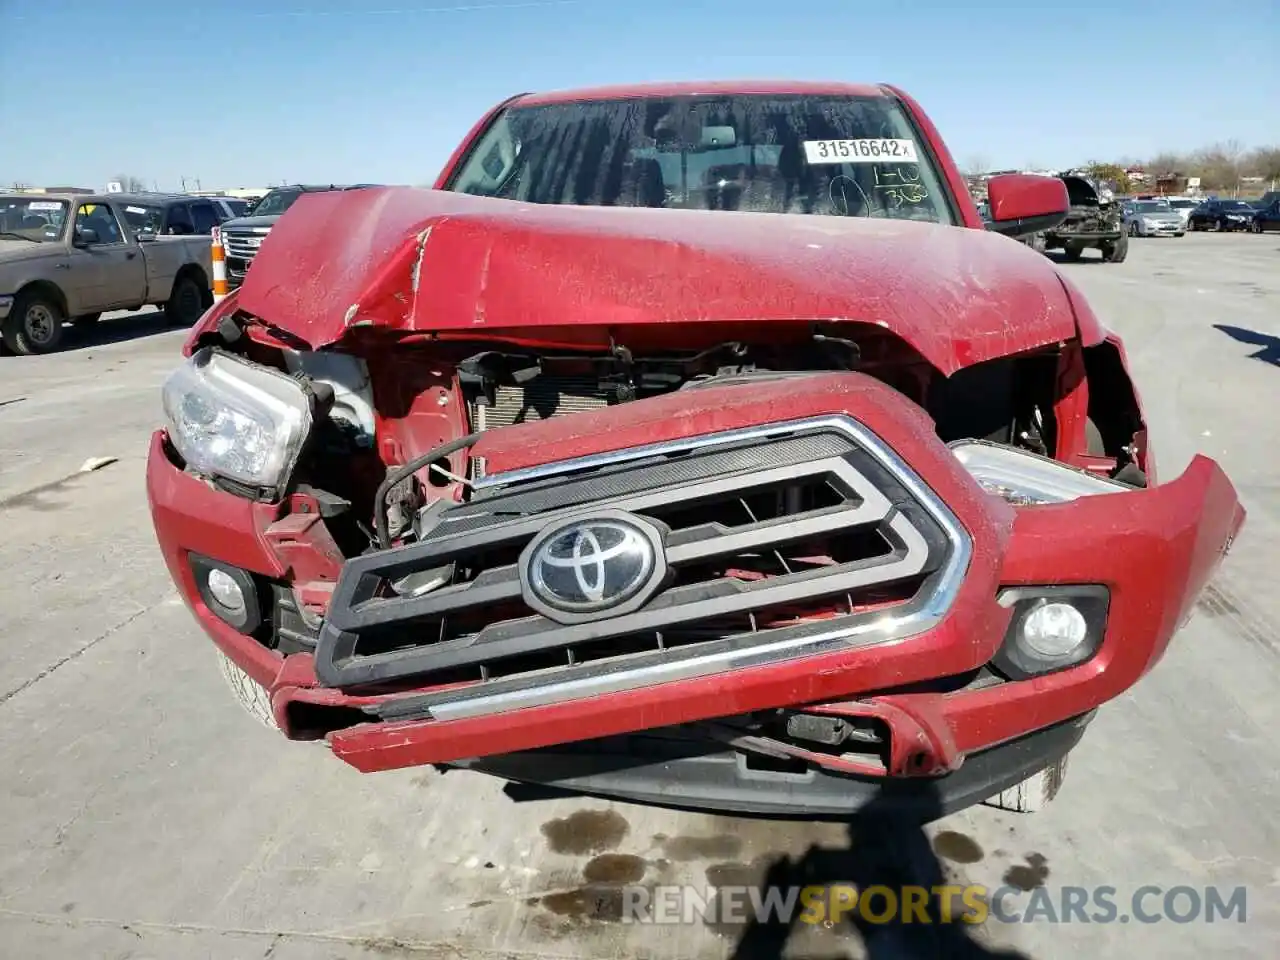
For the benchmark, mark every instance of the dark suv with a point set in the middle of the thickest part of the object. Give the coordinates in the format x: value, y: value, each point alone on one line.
x: 168, y: 215
x: 242, y: 237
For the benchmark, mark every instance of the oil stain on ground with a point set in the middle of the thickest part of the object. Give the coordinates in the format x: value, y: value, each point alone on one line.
x: 602, y: 898
x: 594, y: 903
x: 614, y: 868
x: 684, y: 849
x: 956, y: 847
x: 1029, y: 875
x: 727, y: 914
x: 586, y: 831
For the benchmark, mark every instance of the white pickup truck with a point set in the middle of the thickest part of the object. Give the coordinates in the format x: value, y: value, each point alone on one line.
x: 73, y: 257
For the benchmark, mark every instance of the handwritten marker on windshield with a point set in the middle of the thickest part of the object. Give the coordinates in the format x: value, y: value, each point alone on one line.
x: 219, y: 255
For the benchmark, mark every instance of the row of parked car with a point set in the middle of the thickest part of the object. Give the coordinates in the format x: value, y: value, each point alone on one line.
x: 1175, y: 216
x: 72, y: 257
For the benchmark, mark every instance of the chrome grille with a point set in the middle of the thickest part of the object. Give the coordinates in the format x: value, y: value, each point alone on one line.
x: 241, y: 245
x: 748, y: 586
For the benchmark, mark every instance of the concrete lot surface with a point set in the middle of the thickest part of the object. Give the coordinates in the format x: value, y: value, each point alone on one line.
x: 142, y: 815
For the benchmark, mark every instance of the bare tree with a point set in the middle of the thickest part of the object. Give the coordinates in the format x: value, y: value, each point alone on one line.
x: 130, y: 184
x: 1264, y: 162
x: 975, y: 164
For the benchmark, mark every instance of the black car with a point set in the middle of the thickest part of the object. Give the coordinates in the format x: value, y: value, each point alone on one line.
x: 1221, y: 215
x: 1267, y: 218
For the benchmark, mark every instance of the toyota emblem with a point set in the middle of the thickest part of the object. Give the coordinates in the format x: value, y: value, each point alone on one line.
x: 592, y: 566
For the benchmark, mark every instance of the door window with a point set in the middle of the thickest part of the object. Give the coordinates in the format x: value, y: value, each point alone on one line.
x: 179, y: 222
x: 99, y: 218
x: 204, y: 217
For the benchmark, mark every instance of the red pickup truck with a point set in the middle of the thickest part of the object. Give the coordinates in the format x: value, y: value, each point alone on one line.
x: 694, y: 444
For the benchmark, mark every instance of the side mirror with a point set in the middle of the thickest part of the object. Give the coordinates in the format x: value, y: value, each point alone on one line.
x: 1024, y: 203
x: 84, y: 237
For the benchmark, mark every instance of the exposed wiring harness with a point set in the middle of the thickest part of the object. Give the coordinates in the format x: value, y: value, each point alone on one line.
x: 380, y: 521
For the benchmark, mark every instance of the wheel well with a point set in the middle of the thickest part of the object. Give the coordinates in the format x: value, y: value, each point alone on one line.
x: 51, y: 290
x: 1113, y: 406
x: 196, y: 272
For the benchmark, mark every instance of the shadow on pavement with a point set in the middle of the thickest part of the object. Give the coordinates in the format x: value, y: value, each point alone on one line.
x: 144, y: 323
x: 1090, y: 257
x: 1270, y: 352
x: 884, y: 848
x: 132, y: 326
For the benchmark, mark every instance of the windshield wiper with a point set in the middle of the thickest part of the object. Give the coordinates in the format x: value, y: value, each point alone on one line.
x: 19, y: 236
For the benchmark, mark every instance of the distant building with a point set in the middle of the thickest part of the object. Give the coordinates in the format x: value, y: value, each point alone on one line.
x: 26, y: 189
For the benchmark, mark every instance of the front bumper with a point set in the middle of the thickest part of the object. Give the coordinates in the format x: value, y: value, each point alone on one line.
x: 1167, y: 229
x: 1085, y: 236
x: 675, y: 768
x: 1153, y: 549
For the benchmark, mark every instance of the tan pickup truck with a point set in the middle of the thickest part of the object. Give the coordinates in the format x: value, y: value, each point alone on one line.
x: 73, y: 257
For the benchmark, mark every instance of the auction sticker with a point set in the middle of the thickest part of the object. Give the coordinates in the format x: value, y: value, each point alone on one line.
x: 860, y: 151
x: 44, y: 205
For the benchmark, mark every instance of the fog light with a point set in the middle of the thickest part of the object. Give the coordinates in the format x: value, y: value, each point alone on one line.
x: 226, y: 591
x: 1054, y: 630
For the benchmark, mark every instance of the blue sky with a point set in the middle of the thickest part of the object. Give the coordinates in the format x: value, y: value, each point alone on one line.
x: 251, y: 92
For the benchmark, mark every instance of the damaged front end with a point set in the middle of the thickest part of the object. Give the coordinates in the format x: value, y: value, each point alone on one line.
x: 768, y: 573
x: 1094, y: 219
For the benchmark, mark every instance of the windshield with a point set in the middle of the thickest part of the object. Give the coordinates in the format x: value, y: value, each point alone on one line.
x: 143, y: 218
x: 32, y: 218
x: 276, y: 202
x: 1152, y: 206
x: 826, y: 155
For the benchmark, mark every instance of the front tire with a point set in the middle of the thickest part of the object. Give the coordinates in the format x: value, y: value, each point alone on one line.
x: 251, y: 696
x: 1116, y: 252
x: 34, y: 325
x: 186, y: 302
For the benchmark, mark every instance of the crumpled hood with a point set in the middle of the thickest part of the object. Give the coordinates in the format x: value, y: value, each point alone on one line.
x: 420, y: 260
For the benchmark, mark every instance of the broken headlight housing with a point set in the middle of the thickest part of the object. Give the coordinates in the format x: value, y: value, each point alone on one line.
x: 1023, y: 478
x: 237, y: 421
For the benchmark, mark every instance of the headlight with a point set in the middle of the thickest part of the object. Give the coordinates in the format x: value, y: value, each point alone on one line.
x: 1027, y: 478
x: 235, y: 420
